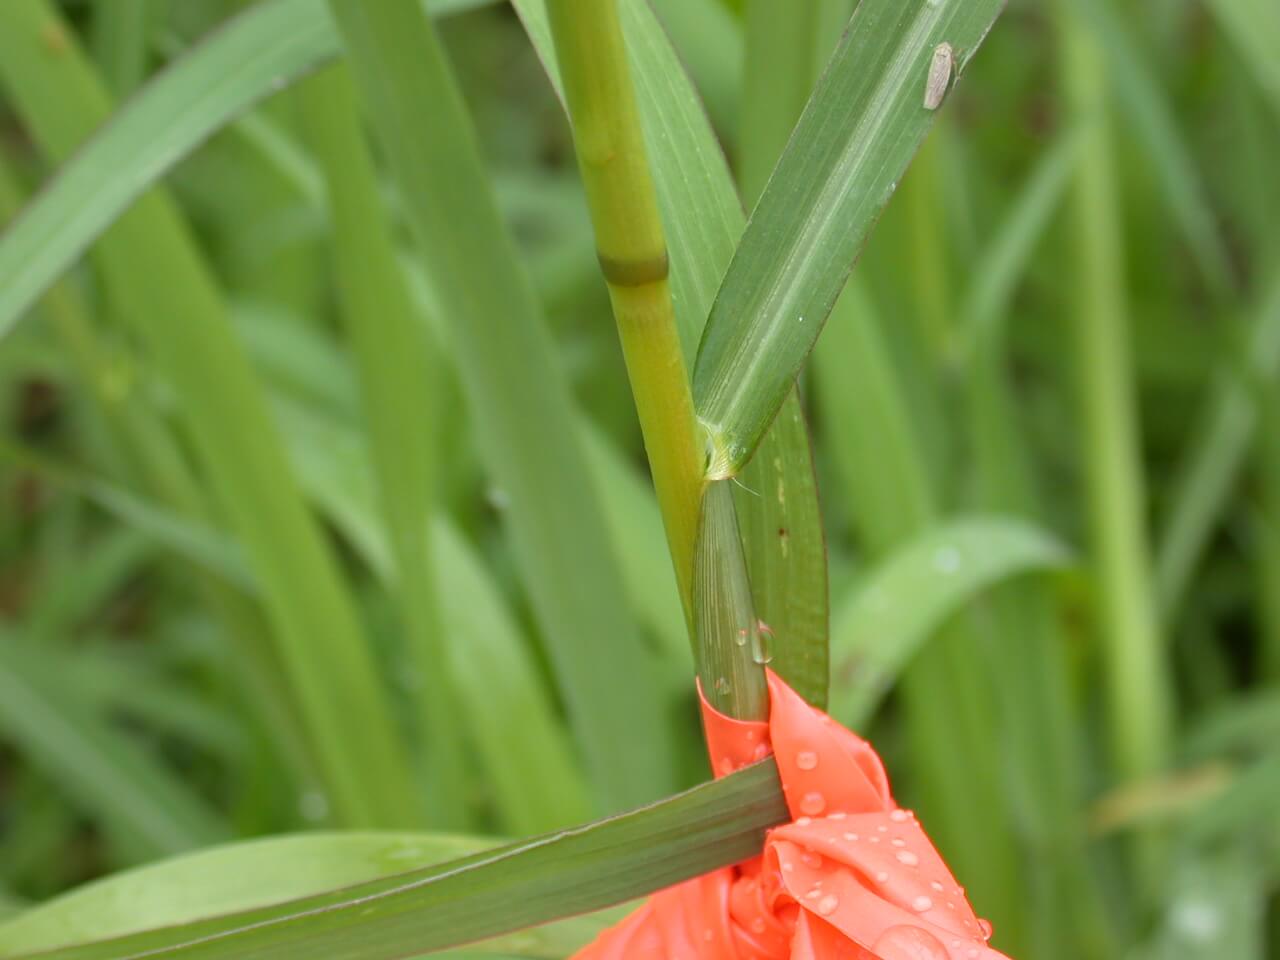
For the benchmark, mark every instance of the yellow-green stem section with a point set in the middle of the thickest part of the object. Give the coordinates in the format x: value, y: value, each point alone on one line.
x: 633, y: 256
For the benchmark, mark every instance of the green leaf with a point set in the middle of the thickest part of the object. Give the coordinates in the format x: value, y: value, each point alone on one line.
x: 887, y: 618
x: 1203, y: 483
x: 519, y: 400
x: 155, y: 272
x: 1253, y: 26
x: 250, y: 58
x: 853, y: 143
x: 257, y: 873
x: 110, y: 778
x: 491, y: 893
x: 398, y: 368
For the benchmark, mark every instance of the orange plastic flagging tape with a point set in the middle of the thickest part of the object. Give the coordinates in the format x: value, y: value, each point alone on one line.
x: 852, y: 876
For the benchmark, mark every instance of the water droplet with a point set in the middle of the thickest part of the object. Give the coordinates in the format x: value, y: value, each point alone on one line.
x: 806, y: 759
x: 882, y: 876
x: 946, y: 559
x: 813, y: 803
x: 811, y: 860
x: 762, y: 643
x: 899, y: 816
x: 827, y: 905
x: 921, y: 903
x: 873, y: 840
x: 761, y: 751
x: 882, y: 829
x: 898, y: 842
x: 802, y: 318
x: 840, y: 815
x: 984, y: 927
x: 813, y: 894
x: 804, y: 821
x: 851, y: 836
x: 1195, y: 920
x: 937, y: 887
x: 741, y: 637
x: 908, y: 858
x: 909, y: 943
x: 788, y: 867
x: 313, y: 806
x: 722, y: 686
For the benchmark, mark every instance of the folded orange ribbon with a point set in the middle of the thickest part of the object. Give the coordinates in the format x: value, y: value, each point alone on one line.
x: 852, y: 877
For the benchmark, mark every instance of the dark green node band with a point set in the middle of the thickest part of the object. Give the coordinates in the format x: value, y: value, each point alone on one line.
x: 634, y: 272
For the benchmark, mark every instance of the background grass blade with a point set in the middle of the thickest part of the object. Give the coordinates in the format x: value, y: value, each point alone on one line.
x: 110, y: 777
x: 854, y: 141
x: 1129, y: 633
x: 885, y: 620
x: 401, y: 407
x: 155, y: 274
x: 487, y: 894
x: 270, y: 45
x: 522, y: 406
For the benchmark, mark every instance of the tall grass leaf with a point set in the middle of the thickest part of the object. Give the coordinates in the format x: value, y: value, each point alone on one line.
x: 109, y: 777
x: 403, y: 412
x: 853, y: 143
x: 253, y: 56
x: 1138, y: 695
x: 709, y: 40
x: 487, y: 894
x: 1253, y: 27
x: 507, y: 711
x: 155, y: 273
x: 1153, y: 121
x: 519, y: 399
x: 1003, y: 261
x: 887, y: 617
x: 255, y: 873
x: 523, y: 746
x: 1213, y: 462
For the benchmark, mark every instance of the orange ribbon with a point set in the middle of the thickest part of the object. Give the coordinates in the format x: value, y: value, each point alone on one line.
x: 851, y: 877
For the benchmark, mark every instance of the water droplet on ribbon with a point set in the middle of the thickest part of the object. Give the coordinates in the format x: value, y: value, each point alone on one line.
x: 899, y: 816
x: 908, y: 858
x: 984, y: 927
x: 909, y: 943
x: 806, y: 760
x: 813, y: 803
x: 827, y: 905
x: 921, y: 903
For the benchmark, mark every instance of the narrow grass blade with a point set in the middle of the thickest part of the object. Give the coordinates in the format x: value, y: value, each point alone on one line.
x: 523, y: 746
x: 402, y: 412
x: 732, y: 647
x: 1138, y: 695
x: 1004, y: 260
x: 708, y: 38
x: 510, y: 715
x: 249, y: 59
x: 1153, y: 120
x: 780, y: 48
x: 256, y: 873
x: 851, y: 146
x: 155, y: 273
x: 1214, y: 461
x: 109, y: 777
x: 534, y: 881
x: 1253, y: 26
x: 519, y: 401
x: 885, y: 621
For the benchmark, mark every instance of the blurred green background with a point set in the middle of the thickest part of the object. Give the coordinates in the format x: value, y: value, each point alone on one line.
x: 1068, y: 319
